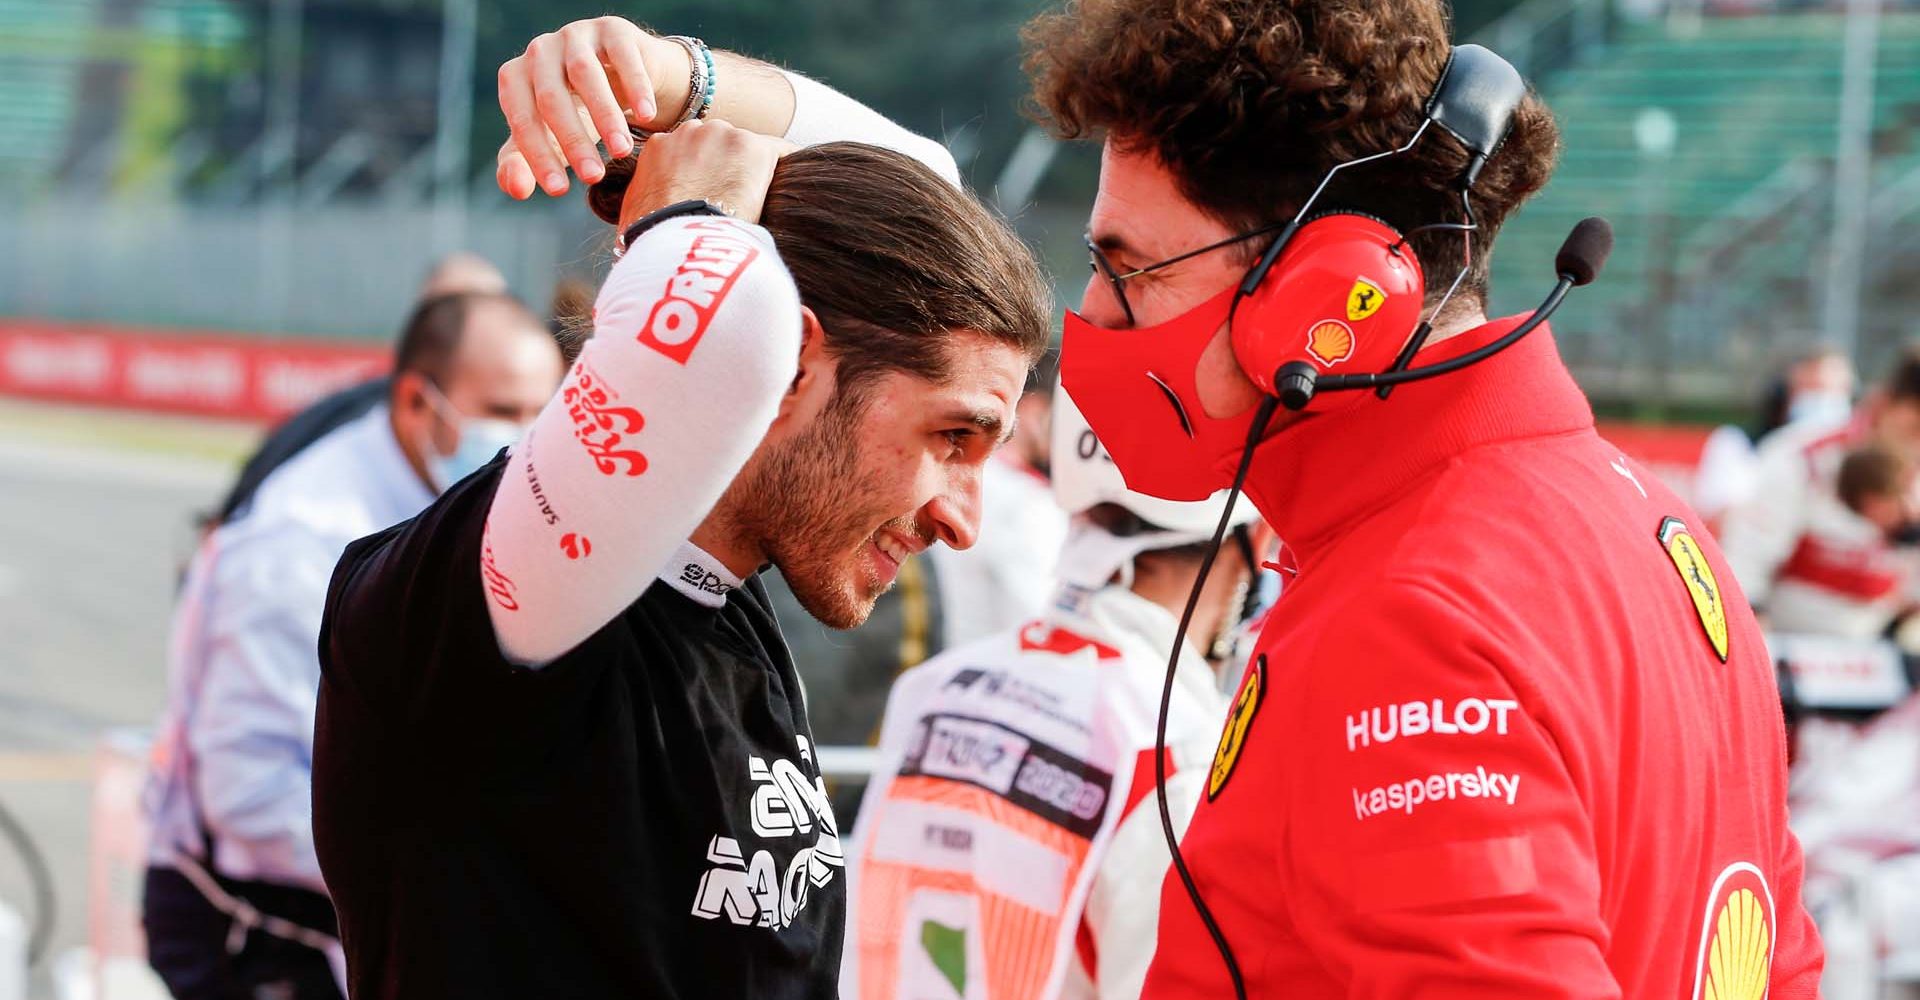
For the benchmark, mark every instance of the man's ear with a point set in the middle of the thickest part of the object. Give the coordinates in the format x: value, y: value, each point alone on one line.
x: 412, y: 416
x: 813, y: 350
x: 813, y: 378
x: 407, y: 396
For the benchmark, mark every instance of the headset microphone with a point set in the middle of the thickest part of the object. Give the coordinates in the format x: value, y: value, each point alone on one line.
x: 1585, y: 252
x: 1579, y: 261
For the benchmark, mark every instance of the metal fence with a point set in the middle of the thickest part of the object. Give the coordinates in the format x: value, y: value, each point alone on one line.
x: 347, y: 270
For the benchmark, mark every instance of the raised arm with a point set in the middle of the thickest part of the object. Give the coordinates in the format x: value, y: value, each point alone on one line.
x: 697, y: 336
x: 585, y: 82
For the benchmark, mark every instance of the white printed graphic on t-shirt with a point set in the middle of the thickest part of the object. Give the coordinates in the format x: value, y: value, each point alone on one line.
x: 751, y: 890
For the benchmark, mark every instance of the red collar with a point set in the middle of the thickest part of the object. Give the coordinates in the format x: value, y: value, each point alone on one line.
x: 1326, y: 473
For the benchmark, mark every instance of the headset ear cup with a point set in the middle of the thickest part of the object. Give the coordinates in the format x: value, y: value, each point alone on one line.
x: 1342, y: 297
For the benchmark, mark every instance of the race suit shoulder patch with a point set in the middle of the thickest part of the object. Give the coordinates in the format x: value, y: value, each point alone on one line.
x: 1233, y: 738
x: 1697, y: 574
x: 1736, y: 937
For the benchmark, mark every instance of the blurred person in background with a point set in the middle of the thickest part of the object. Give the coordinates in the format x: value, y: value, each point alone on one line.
x: 462, y: 271
x: 1814, y: 389
x: 1856, y: 763
x: 1010, y: 836
x: 1876, y: 482
x: 456, y: 273
x: 561, y: 749
x: 1808, y: 562
x: 1007, y: 578
x: 234, y: 902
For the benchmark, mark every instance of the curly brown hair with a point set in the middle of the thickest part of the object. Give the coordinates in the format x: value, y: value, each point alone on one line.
x: 1249, y: 102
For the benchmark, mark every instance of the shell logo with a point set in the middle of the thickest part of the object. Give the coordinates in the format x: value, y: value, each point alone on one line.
x: 1330, y: 342
x: 1736, y: 939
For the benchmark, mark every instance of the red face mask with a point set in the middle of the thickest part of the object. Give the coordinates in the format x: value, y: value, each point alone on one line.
x: 1136, y: 389
x: 1343, y: 296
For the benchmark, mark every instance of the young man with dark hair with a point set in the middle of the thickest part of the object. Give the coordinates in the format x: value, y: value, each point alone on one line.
x: 1511, y: 731
x: 562, y: 750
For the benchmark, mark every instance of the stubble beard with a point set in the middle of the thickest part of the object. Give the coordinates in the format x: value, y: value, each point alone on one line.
x: 804, y: 503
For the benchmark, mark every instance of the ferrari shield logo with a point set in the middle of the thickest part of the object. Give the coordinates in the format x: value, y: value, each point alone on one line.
x: 1708, y: 602
x: 1364, y: 299
x: 1233, y: 738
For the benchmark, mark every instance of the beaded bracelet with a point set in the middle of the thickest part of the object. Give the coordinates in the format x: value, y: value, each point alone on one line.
x: 700, y: 78
x: 712, y: 82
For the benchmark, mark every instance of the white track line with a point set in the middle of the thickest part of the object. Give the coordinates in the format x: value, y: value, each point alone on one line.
x: 83, y: 463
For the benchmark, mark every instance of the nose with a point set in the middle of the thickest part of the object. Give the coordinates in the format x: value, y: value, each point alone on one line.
x: 954, y: 513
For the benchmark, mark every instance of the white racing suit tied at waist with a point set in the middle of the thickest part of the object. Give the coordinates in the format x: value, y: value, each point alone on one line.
x: 1010, y: 845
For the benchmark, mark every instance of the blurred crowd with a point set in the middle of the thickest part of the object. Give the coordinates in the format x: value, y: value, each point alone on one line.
x: 1817, y: 505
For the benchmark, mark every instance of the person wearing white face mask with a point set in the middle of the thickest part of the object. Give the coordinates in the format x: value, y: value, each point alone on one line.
x: 235, y: 904
x: 480, y: 438
x: 1812, y: 392
x: 457, y: 273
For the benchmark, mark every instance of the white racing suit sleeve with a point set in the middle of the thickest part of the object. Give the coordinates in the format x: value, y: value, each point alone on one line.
x: 696, y: 340
x: 1760, y: 532
x: 823, y: 114
x: 1123, y: 910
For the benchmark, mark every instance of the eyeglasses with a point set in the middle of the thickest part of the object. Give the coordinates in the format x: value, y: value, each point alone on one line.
x: 1102, y: 266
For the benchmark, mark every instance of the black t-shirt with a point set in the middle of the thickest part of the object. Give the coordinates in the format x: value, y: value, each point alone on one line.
x: 643, y: 817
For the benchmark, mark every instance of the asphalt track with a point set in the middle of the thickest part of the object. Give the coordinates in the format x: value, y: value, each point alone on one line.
x: 96, y: 516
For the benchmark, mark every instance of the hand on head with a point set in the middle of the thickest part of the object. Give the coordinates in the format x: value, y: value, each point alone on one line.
x: 730, y: 167
x: 579, y: 86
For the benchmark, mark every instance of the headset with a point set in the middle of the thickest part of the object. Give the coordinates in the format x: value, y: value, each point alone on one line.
x: 1321, y: 313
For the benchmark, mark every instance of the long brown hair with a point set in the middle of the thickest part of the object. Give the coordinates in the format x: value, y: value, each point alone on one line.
x: 890, y: 257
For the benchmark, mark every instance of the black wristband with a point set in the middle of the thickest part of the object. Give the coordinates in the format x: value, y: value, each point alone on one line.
x: 696, y: 206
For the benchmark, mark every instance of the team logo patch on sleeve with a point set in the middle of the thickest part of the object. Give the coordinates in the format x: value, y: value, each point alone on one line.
x: 1233, y: 738
x: 1364, y: 299
x: 696, y: 290
x: 1708, y: 601
x: 1736, y: 939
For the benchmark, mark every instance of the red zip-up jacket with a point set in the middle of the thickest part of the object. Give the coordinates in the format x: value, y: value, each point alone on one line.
x: 1511, y: 732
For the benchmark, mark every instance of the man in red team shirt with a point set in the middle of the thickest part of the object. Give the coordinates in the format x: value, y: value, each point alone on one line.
x: 1511, y: 731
